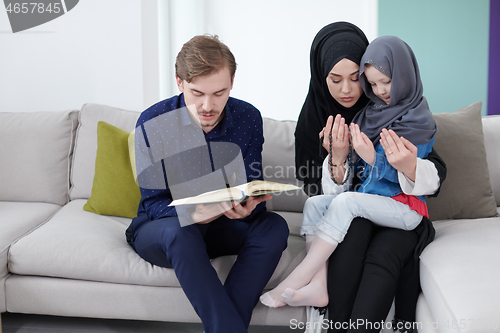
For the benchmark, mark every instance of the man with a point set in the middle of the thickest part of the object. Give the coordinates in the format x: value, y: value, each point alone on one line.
x: 195, y: 134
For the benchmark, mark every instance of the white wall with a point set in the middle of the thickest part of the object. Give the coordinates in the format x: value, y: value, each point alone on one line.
x: 90, y: 54
x: 271, y: 41
x: 122, y: 53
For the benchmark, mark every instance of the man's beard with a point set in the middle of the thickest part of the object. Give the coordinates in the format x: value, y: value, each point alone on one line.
x: 203, y: 113
x: 209, y: 123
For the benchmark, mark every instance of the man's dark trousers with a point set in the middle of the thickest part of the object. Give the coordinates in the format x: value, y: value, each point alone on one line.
x: 226, y: 307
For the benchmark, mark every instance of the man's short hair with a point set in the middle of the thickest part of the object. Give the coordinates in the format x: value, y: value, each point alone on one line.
x: 202, y: 55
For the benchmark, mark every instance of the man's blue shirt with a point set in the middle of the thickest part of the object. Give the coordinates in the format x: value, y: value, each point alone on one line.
x: 176, y: 159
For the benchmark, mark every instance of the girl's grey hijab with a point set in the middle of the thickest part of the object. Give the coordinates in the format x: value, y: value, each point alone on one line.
x: 408, y: 112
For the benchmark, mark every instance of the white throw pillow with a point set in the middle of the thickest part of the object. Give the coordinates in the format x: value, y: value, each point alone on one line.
x: 82, y: 175
x: 35, y: 153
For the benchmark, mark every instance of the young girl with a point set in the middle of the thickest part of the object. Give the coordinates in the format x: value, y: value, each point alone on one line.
x: 390, y: 77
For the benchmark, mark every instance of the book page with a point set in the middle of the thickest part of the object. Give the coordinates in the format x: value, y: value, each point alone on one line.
x: 226, y: 194
x: 237, y: 193
x: 261, y: 187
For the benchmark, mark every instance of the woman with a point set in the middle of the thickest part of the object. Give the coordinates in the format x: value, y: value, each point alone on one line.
x: 373, y: 264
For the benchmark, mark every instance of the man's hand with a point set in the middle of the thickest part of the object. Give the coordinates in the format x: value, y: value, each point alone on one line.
x: 232, y: 210
x: 340, y: 138
x: 207, y: 213
x: 362, y: 144
x: 239, y: 210
x: 400, y: 153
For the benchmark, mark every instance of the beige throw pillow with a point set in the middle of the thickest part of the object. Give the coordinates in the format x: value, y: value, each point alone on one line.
x: 35, y: 154
x: 466, y: 193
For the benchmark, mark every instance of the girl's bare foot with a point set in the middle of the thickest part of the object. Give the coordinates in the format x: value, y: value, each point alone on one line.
x: 312, y: 295
x: 269, y: 301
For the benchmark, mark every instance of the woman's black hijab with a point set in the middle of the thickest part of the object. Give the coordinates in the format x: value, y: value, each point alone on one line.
x: 333, y: 43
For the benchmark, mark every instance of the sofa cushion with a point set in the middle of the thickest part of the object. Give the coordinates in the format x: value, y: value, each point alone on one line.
x: 294, y: 221
x: 16, y: 220
x: 114, y: 191
x: 35, y: 153
x: 459, y: 273
x: 82, y: 173
x: 76, y: 244
x: 77, y: 298
x: 491, y: 129
x: 466, y: 192
x: 278, y: 160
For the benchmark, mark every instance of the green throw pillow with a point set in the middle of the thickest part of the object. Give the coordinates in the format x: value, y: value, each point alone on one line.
x: 114, y: 191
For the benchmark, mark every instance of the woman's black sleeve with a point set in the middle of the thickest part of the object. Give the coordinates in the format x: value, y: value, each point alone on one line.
x: 440, y: 166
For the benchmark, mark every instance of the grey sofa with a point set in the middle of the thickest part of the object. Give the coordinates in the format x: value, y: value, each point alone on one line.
x: 57, y: 259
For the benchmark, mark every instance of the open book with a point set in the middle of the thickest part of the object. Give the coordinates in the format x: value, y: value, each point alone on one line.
x: 237, y: 193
